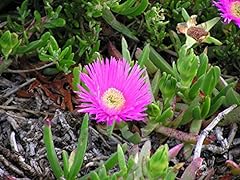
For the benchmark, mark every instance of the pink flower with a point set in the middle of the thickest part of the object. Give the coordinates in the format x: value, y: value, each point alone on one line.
x: 230, y: 10
x: 114, y: 91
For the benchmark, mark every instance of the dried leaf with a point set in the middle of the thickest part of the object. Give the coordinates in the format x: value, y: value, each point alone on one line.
x: 112, y: 51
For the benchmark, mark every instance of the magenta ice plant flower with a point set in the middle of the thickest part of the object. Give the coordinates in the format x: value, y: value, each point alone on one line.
x: 114, y: 91
x: 230, y: 10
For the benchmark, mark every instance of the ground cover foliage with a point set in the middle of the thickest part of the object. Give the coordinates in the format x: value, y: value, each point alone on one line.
x: 110, y: 89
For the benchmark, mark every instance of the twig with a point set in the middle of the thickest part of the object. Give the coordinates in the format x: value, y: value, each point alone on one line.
x: 214, y: 149
x: 2, y: 173
x: 236, y: 141
x: 170, y: 52
x: 11, y: 166
x: 232, y: 133
x: 13, y: 142
x: 223, y: 81
x: 206, y: 131
x: 13, y: 123
x: 220, y: 138
x: 99, y: 135
x: 4, y: 81
x: 9, y: 100
x: 180, y: 135
x: 25, y: 110
x: 100, y: 130
x: 13, y: 115
x: 91, y: 164
x: 30, y: 70
x: 234, y: 153
x: 19, y: 87
x: 18, y: 159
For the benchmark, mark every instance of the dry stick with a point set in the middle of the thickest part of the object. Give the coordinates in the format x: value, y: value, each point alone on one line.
x: 236, y: 141
x: 99, y: 135
x: 10, y: 166
x: 17, y: 159
x: 223, y: 81
x: 13, y: 142
x: 214, y: 149
x: 180, y: 135
x: 25, y: 110
x: 19, y: 87
x: 232, y: 133
x: 2, y: 173
x: 206, y: 131
x: 219, y: 134
x: 11, y: 116
x: 30, y: 70
x: 234, y: 128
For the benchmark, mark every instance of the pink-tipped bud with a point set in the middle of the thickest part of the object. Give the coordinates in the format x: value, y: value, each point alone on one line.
x: 173, y: 152
x: 47, y: 122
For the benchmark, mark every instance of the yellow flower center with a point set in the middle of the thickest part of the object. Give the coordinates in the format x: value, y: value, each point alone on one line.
x: 113, y: 99
x: 235, y: 8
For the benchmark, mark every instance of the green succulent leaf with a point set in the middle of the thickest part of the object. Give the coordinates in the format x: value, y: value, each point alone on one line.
x: 203, y: 58
x: 122, y: 8
x: 205, y: 107
x: 111, y: 20
x: 158, y: 163
x: 196, y: 113
x: 8, y: 42
x: 51, y: 153
x: 134, y: 138
x: 208, y: 25
x: 215, y: 105
x: 144, y: 57
x: 125, y: 52
x: 185, y: 15
x: 232, y: 97
x: 121, y: 160
x: 166, y: 114
x: 65, y: 163
x: 211, y: 80
x: 81, y: 149
x: 153, y: 110
x: 94, y: 176
x: 187, y: 66
x: 155, y: 83
x: 210, y: 40
x: 131, y: 7
x: 138, y: 9
x: 167, y: 86
x: 195, y: 88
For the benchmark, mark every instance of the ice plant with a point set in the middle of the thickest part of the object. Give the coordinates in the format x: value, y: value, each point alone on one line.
x: 71, y: 165
x: 230, y: 10
x: 114, y: 91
